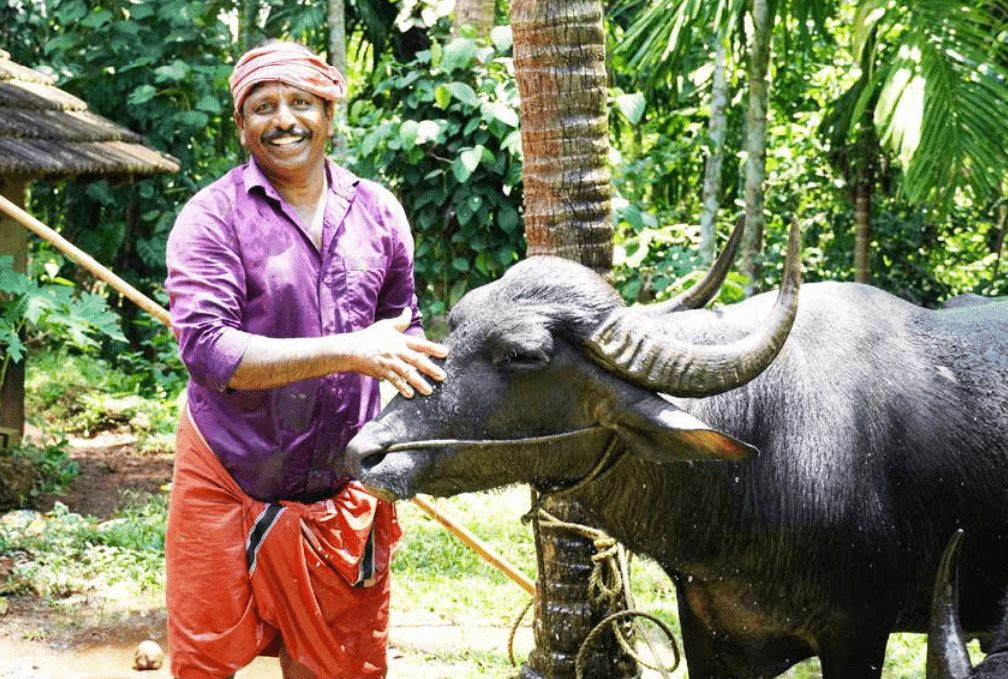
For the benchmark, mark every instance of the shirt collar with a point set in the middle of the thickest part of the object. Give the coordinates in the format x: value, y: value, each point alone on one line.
x: 342, y: 182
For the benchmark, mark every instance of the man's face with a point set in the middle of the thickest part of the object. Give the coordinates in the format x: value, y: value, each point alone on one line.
x: 285, y: 129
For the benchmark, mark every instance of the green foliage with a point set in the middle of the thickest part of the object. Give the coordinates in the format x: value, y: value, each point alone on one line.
x: 155, y: 369
x: 69, y: 392
x: 55, y: 309
x: 918, y: 253
x: 940, y: 74
x: 442, y: 130
x: 63, y: 553
x: 159, y: 68
x: 55, y: 470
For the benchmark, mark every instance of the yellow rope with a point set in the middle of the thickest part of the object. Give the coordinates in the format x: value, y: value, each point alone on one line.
x: 609, y: 580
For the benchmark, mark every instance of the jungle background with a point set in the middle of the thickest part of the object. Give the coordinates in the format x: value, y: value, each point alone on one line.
x: 884, y: 138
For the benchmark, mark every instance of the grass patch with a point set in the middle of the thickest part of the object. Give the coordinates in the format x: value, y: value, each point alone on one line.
x: 84, y: 394
x: 434, y: 572
x: 60, y: 554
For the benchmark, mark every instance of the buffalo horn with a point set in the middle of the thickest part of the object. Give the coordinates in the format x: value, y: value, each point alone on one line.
x: 947, y: 657
x: 703, y: 292
x: 632, y: 345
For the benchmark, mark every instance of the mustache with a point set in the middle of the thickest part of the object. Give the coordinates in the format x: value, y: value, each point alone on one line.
x: 292, y: 131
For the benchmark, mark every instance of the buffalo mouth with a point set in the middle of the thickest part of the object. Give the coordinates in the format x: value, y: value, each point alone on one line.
x: 388, y: 472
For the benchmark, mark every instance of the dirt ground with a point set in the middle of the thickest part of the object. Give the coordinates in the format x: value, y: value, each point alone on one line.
x: 94, y: 636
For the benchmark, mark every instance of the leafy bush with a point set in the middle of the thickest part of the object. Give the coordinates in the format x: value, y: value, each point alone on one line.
x: 84, y: 394
x: 158, y: 68
x: 63, y: 553
x: 54, y: 309
x: 442, y: 131
x: 55, y: 469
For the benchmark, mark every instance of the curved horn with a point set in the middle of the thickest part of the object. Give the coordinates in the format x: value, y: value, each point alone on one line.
x: 947, y: 657
x: 630, y: 344
x: 703, y: 292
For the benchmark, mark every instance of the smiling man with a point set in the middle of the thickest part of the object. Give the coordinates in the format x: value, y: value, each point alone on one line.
x: 291, y: 289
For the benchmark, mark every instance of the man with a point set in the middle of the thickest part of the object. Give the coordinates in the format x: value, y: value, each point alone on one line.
x: 291, y: 288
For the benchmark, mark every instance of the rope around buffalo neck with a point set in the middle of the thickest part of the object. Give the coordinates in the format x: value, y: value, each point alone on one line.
x: 609, y: 458
x: 491, y: 443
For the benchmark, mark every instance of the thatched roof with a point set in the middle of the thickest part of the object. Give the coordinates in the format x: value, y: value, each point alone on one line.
x: 46, y: 132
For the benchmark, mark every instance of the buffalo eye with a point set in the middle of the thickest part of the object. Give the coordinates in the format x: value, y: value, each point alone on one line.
x: 520, y: 346
x: 518, y: 360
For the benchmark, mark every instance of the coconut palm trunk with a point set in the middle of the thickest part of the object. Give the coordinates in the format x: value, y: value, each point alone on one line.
x: 559, y: 57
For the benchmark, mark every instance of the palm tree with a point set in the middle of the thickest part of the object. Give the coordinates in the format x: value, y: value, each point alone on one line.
x: 715, y: 156
x: 933, y: 91
x: 755, y: 142
x: 559, y: 58
x: 657, y: 42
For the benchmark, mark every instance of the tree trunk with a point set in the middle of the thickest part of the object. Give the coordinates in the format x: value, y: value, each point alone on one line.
x: 712, y: 172
x: 999, y: 240
x: 559, y: 57
x: 337, y: 58
x: 755, y: 166
x: 247, y: 32
x: 477, y: 14
x: 864, y: 182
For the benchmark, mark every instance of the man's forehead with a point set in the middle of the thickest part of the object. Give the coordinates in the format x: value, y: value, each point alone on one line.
x: 276, y: 88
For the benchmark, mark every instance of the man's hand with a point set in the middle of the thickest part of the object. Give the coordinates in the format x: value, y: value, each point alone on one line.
x: 381, y: 350
x: 384, y: 351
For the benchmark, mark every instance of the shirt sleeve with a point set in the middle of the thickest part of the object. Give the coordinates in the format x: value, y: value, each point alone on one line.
x: 206, y: 289
x: 398, y: 291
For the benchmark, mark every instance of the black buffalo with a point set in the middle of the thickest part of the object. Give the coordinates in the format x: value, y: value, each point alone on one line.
x: 881, y: 428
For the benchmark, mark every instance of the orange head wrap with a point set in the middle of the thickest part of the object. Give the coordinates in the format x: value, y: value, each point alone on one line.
x: 290, y: 63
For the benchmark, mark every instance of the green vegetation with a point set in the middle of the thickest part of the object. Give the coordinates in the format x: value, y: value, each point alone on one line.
x: 68, y: 392
x: 443, y: 132
x: 61, y: 554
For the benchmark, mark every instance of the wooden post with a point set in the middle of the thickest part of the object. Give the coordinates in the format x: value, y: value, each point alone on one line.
x: 13, y: 242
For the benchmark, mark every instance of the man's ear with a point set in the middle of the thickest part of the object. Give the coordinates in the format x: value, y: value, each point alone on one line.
x: 659, y: 431
x: 240, y: 124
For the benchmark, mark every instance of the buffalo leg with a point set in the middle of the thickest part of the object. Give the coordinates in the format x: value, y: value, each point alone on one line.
x: 712, y: 653
x: 855, y: 651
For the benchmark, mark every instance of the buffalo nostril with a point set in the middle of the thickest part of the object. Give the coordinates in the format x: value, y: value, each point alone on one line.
x: 371, y: 460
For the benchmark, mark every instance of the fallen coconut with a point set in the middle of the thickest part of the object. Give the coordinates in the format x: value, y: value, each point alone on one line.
x: 149, y: 656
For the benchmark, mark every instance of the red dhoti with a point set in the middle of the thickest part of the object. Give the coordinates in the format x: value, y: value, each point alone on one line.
x: 245, y: 576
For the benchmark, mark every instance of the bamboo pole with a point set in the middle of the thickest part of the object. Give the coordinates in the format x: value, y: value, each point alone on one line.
x: 474, y: 543
x: 157, y: 311
x: 85, y: 260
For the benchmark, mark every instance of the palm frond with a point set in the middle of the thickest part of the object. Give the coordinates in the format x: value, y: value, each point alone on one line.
x: 945, y: 102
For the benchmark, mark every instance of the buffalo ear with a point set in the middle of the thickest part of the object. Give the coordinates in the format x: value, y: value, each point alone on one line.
x: 660, y: 432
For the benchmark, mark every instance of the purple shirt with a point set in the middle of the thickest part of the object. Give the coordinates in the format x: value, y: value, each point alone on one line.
x: 239, y: 264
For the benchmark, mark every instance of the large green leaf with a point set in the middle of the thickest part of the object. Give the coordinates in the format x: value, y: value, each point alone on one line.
x: 944, y: 103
